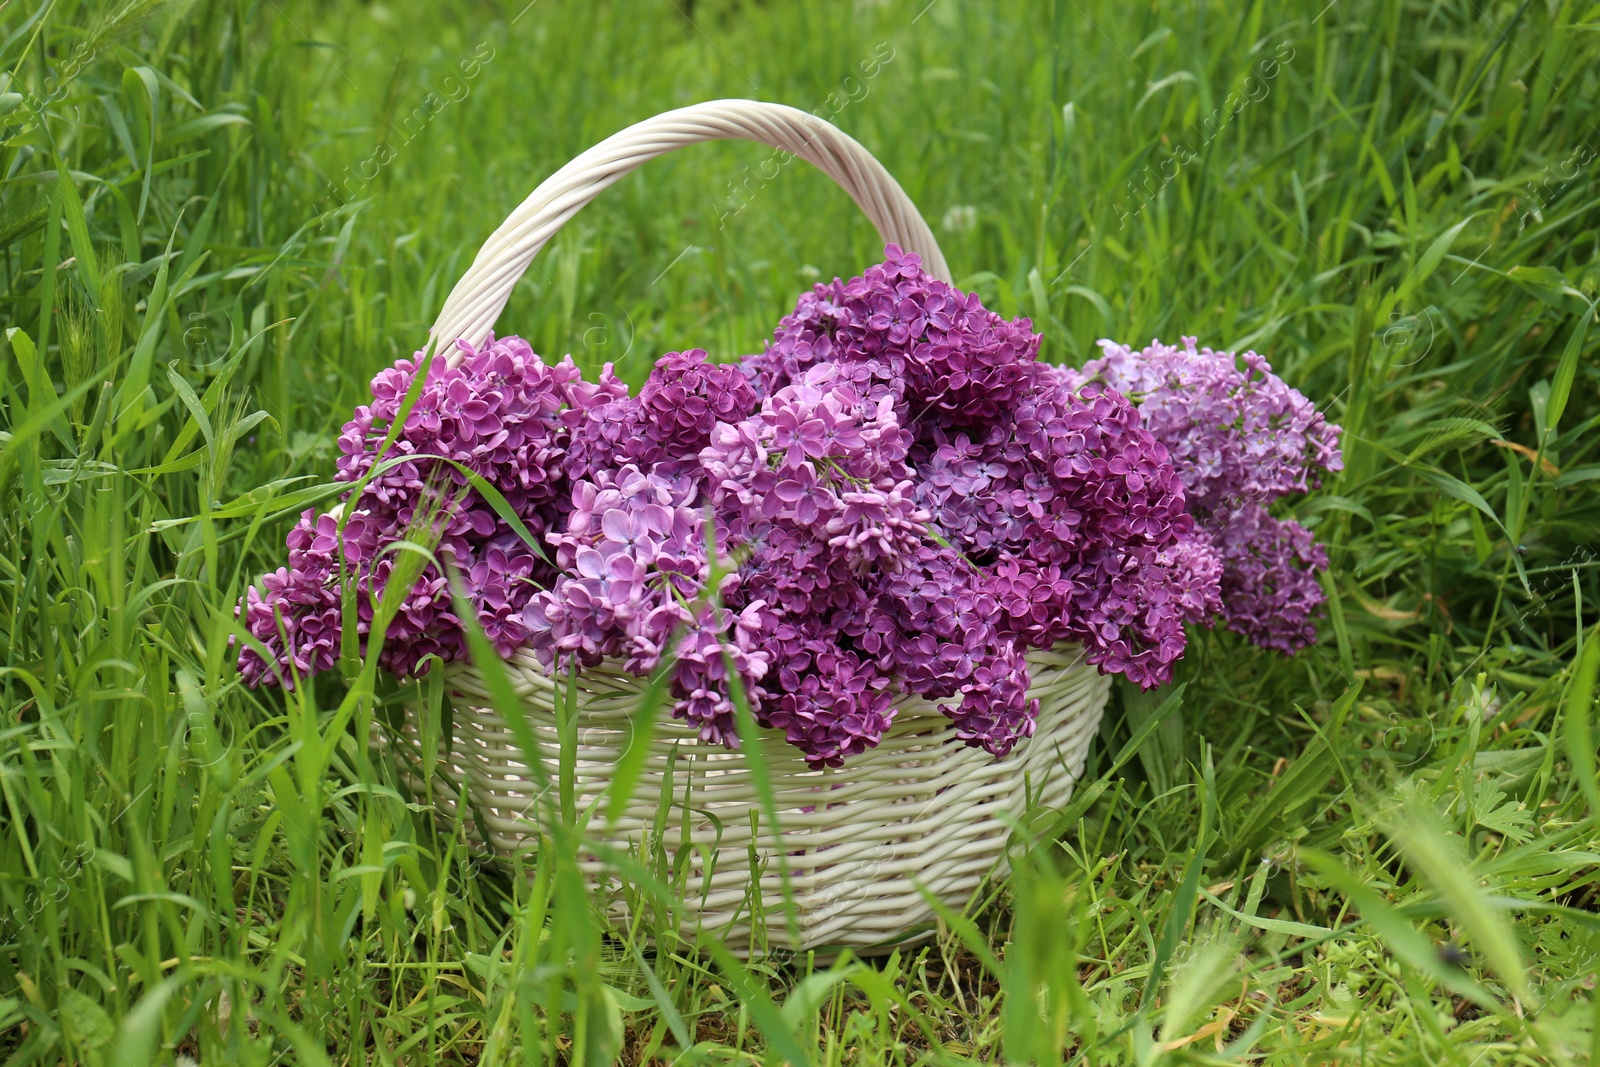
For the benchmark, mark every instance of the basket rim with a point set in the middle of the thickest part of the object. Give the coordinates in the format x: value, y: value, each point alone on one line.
x: 1059, y: 660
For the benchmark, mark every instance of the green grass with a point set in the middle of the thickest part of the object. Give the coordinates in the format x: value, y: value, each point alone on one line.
x: 218, y: 218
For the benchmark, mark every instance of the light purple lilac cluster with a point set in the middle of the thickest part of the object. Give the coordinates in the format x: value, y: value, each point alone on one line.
x: 633, y: 585
x: 1240, y: 438
x: 894, y: 497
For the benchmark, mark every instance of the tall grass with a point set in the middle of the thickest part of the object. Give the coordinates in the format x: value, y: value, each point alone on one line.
x: 219, y: 218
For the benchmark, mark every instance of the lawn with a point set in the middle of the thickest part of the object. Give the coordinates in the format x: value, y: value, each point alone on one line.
x: 219, y: 218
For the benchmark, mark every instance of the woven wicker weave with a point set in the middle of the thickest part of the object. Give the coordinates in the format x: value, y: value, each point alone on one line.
x: 921, y: 812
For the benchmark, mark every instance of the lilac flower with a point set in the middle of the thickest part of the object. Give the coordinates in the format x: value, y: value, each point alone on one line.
x: 1196, y: 568
x: 307, y: 610
x: 1240, y: 438
x: 1034, y: 600
x: 600, y: 419
x: 713, y: 640
x: 936, y: 627
x: 498, y: 414
x: 996, y: 711
x: 1235, y: 431
x: 818, y: 457
x: 837, y: 705
x: 902, y: 499
x: 1270, y: 591
x: 803, y: 339
x: 936, y: 350
x: 681, y: 402
x: 631, y: 542
x: 1126, y: 612
x: 635, y: 584
x: 878, y: 526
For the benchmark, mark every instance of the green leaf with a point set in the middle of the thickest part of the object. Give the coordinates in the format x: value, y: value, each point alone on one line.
x: 191, y: 401
x: 1578, y: 475
x: 1452, y: 486
x: 1566, y: 372
x: 132, y: 387
x: 34, y: 376
x: 1548, y: 284
x: 141, y: 86
x: 754, y: 999
x: 804, y: 1000
x: 1409, y: 944
x: 194, y: 127
x: 78, y: 230
x: 1187, y: 896
x: 1300, y: 784
x: 1341, y: 627
x: 1432, y: 257
x: 1333, y: 502
x: 663, y: 1000
x: 38, y: 420
x: 136, y: 1038
x: 1097, y: 300
x: 1041, y: 298
x: 1441, y: 859
x: 1577, y: 721
x: 1511, y: 820
x: 1162, y: 756
x: 1276, y: 926
x: 1086, y: 793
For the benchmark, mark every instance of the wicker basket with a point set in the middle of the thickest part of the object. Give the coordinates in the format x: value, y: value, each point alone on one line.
x: 922, y: 812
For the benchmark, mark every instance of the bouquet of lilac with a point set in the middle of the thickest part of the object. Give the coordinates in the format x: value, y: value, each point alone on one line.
x: 893, y: 497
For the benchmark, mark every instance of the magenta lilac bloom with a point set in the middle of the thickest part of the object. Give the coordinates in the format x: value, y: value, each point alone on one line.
x: 496, y: 414
x: 944, y: 356
x: 894, y: 497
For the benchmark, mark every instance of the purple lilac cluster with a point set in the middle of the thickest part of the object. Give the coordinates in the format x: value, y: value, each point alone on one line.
x: 670, y: 419
x: 894, y: 497
x: 817, y: 488
x: 497, y: 414
x: 943, y: 356
x: 1240, y: 438
x: 1066, y: 511
x: 1080, y: 518
x: 537, y: 433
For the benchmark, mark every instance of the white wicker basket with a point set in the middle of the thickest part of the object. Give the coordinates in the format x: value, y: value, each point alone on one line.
x: 921, y: 812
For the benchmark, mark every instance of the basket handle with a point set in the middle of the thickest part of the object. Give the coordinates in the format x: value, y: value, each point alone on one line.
x: 473, y: 305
